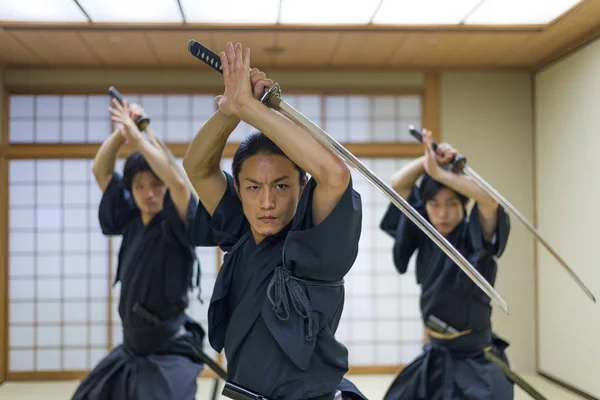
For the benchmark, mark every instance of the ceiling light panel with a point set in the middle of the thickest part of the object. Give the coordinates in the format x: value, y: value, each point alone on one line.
x: 327, y: 12
x: 231, y: 11
x: 41, y: 11
x: 519, y: 12
x: 424, y: 12
x: 132, y: 11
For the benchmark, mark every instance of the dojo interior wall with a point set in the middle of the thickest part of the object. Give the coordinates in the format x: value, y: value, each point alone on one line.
x: 567, y: 119
x: 488, y: 115
x: 475, y: 105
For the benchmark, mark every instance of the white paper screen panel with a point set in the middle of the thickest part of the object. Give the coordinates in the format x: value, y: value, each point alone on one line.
x: 58, y: 267
x: 176, y: 118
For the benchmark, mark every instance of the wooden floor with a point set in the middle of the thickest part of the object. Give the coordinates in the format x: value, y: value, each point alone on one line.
x: 373, y: 386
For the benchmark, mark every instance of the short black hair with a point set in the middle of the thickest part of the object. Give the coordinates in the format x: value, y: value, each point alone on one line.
x: 258, y: 143
x: 430, y: 187
x: 134, y: 164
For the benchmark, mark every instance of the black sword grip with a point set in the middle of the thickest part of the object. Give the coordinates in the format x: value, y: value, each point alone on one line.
x: 205, y: 55
x: 458, y: 161
x: 208, y: 57
x: 142, y: 122
x: 237, y: 392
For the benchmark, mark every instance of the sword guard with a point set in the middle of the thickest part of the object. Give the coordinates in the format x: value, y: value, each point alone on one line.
x: 142, y: 122
x: 458, y: 162
x: 272, y: 97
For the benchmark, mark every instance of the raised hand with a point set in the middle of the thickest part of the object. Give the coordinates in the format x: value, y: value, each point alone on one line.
x: 430, y: 163
x: 445, y: 153
x: 136, y: 111
x: 236, y: 75
x: 122, y: 115
x: 259, y: 81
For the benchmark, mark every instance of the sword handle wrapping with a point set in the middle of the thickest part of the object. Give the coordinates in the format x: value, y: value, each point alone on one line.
x: 142, y: 122
x: 211, y: 59
x: 237, y: 392
x: 458, y: 162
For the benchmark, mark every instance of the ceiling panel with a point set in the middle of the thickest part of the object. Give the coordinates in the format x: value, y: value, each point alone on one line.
x: 489, y: 49
x: 121, y: 48
x: 60, y: 48
x: 366, y: 49
x: 310, y: 49
x: 14, y: 53
x: 426, y: 49
x: 149, y: 46
x: 260, y: 44
x: 171, y: 47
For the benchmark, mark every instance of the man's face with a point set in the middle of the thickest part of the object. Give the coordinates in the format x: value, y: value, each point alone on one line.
x: 445, y: 211
x: 269, y: 189
x: 148, y: 193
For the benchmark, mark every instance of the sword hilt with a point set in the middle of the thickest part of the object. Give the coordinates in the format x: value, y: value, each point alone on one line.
x: 458, y: 161
x: 142, y: 122
x: 213, y: 60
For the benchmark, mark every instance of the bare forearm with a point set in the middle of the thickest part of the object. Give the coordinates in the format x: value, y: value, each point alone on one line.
x: 203, y: 156
x: 404, y: 180
x: 106, y: 158
x: 465, y: 186
x: 297, y: 144
x: 160, y: 165
x: 487, y: 206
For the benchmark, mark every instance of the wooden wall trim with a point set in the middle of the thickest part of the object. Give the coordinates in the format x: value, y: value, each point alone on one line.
x: 202, y: 80
x: 101, y: 89
x: 584, y: 40
x: 376, y: 370
x: 567, y: 387
x: 71, y: 151
x: 431, y: 104
x: 46, y: 376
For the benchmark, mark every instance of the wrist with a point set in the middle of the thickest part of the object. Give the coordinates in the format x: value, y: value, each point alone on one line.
x: 228, y: 119
x: 439, y: 174
x: 249, y: 109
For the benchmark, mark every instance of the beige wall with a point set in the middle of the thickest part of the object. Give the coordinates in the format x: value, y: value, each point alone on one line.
x: 568, y: 198
x: 488, y: 117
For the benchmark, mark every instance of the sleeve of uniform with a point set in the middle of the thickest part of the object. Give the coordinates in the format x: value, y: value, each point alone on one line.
x: 227, y: 224
x: 498, y: 244
x: 117, y: 208
x: 406, y: 234
x: 176, y: 229
x: 327, y: 251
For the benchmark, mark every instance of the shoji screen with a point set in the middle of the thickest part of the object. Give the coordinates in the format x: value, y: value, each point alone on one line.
x: 63, y: 308
x: 58, y: 267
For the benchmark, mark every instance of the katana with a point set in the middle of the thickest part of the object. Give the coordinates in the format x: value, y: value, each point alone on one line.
x: 272, y: 99
x: 460, y: 165
x: 143, y: 124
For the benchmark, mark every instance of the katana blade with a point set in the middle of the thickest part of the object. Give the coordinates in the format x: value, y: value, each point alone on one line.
x: 460, y: 165
x: 272, y: 99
